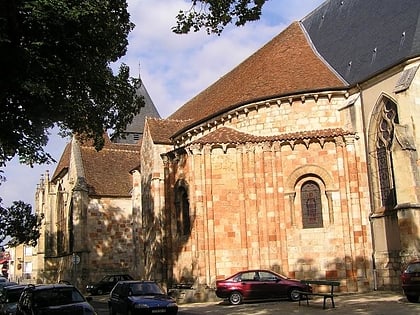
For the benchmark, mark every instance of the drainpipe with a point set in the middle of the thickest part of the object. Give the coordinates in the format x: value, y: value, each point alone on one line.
x: 374, y: 271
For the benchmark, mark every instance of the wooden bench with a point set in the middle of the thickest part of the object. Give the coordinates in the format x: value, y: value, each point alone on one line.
x: 327, y: 295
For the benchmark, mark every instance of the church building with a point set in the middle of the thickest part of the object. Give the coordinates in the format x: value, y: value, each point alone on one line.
x: 302, y: 159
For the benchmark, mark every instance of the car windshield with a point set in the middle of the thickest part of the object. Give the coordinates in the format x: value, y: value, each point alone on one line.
x: 413, y: 268
x: 12, y: 296
x: 107, y: 279
x: 258, y: 275
x: 145, y: 289
x: 57, y: 296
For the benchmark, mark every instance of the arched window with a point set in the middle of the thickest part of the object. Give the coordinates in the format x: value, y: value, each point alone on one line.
x: 61, y: 222
x: 311, y: 205
x: 182, y: 206
x: 385, y: 136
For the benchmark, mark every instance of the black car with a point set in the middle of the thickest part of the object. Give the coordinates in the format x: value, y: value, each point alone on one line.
x: 9, y: 297
x: 6, y: 284
x: 140, y: 297
x: 106, y: 284
x: 410, y: 279
x: 53, y: 299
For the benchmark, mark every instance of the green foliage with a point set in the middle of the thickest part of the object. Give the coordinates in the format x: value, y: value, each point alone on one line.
x: 55, y: 58
x: 215, y: 15
x: 18, y: 225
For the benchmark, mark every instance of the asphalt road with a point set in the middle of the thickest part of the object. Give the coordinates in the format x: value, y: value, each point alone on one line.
x: 372, y: 303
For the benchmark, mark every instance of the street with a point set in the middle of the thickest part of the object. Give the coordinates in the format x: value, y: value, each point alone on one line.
x: 371, y: 303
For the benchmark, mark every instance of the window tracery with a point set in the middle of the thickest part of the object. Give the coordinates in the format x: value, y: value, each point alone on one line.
x: 385, y: 137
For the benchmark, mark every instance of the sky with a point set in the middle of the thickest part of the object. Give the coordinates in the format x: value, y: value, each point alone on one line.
x: 174, y: 68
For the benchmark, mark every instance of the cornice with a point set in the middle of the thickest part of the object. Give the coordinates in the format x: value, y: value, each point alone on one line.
x: 191, y: 132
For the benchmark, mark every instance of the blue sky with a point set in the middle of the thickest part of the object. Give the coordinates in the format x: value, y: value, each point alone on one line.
x: 174, y: 68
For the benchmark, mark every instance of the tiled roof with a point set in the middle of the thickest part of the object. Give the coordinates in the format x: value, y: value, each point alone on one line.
x: 63, y: 164
x: 162, y: 129
x: 287, y: 64
x: 226, y: 135
x: 107, y: 172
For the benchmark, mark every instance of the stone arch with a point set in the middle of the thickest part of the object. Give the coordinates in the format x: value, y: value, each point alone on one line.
x: 182, y: 206
x: 380, y: 143
x: 61, y: 226
x: 307, y: 170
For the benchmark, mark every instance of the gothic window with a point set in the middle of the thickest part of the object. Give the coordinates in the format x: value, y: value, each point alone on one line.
x: 311, y: 205
x: 182, y: 206
x: 385, y: 135
x: 61, y: 222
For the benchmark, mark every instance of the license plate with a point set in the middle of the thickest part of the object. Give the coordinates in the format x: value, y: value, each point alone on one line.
x: 161, y: 310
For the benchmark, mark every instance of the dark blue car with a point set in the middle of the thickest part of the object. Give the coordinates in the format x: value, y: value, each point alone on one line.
x: 9, y: 297
x: 140, y: 297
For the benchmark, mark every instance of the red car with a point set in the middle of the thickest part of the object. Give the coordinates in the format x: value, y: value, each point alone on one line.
x: 410, y: 279
x: 258, y: 285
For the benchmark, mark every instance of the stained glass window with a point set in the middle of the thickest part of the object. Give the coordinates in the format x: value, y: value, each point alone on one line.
x: 383, y: 153
x: 311, y: 205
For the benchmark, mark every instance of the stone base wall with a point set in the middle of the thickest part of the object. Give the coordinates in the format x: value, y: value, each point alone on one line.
x: 388, y: 270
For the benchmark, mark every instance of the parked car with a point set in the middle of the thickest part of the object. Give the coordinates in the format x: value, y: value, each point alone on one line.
x: 9, y: 297
x: 410, y: 279
x: 106, y: 284
x: 140, y: 297
x: 7, y: 283
x: 53, y: 299
x: 257, y: 285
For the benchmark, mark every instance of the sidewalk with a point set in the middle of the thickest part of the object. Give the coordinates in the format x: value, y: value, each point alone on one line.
x: 371, y: 303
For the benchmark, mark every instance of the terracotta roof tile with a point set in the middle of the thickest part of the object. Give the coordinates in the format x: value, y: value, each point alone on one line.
x: 64, y: 162
x: 162, y: 129
x: 107, y: 172
x: 226, y: 135
x: 287, y: 64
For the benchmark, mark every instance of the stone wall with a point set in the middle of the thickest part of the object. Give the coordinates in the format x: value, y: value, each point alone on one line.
x: 245, y: 199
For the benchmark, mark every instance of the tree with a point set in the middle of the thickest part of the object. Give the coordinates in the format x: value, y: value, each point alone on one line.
x: 18, y: 225
x: 55, y: 65
x: 214, y: 15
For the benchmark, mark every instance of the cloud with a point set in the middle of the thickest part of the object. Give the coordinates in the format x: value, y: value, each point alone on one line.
x: 174, y: 68
x: 22, y: 180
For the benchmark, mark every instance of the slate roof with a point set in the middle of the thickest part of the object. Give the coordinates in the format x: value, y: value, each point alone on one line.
x: 361, y: 38
x: 287, y: 64
x: 137, y: 124
x: 149, y: 110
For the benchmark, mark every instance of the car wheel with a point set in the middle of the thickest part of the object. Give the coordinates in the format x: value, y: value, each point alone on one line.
x: 413, y: 298
x: 99, y: 292
x: 111, y: 311
x: 294, y: 295
x: 235, y: 298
